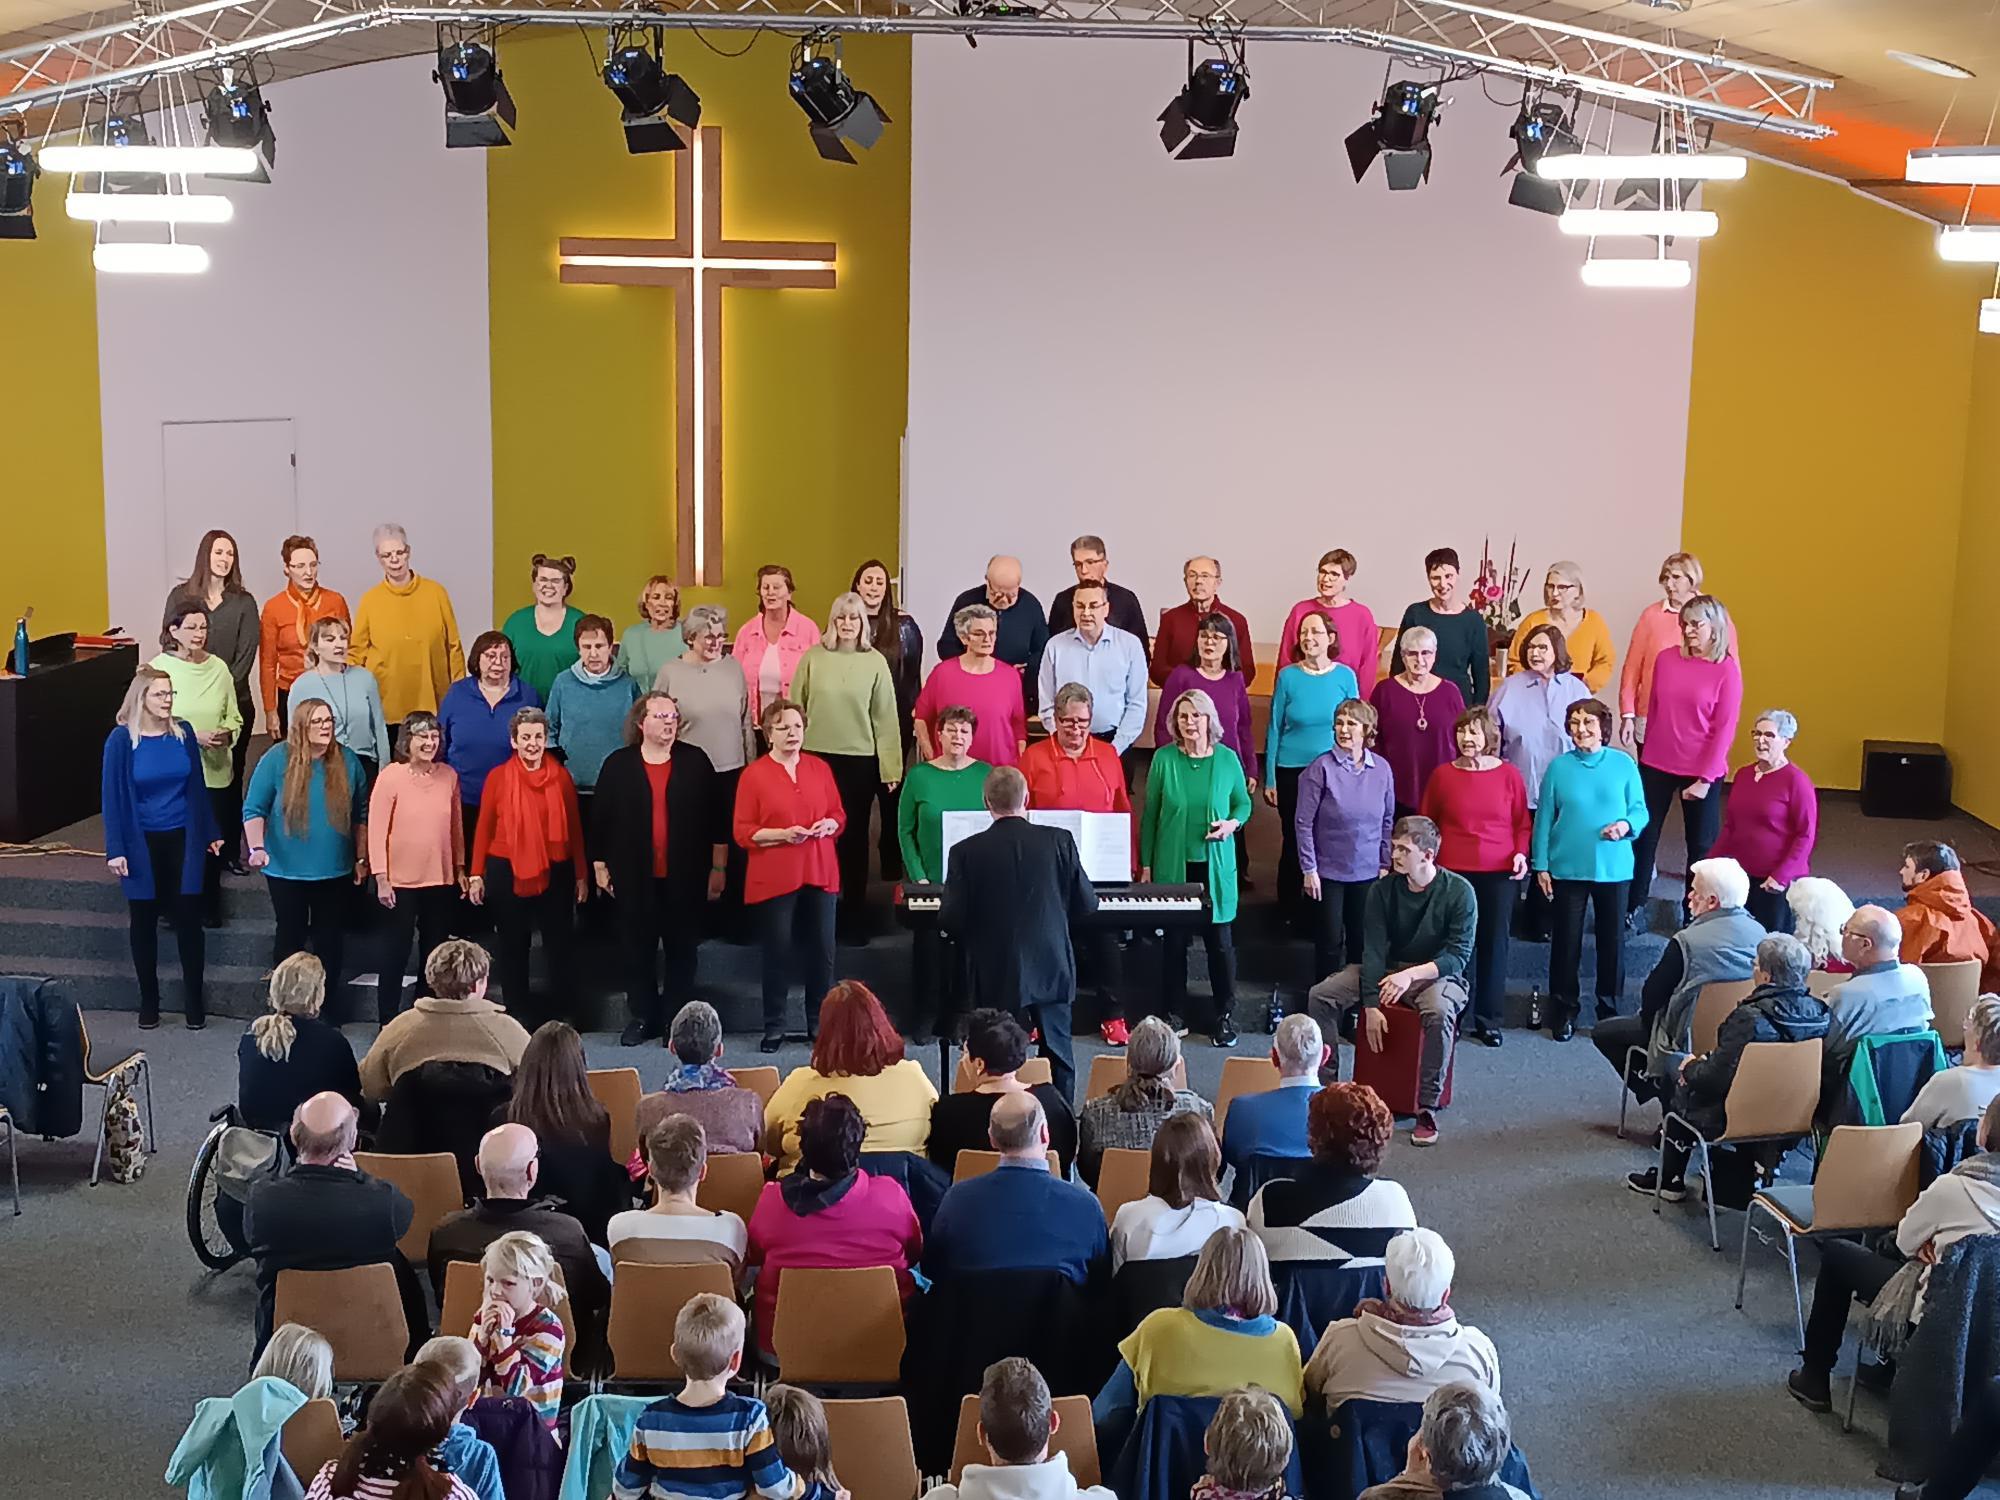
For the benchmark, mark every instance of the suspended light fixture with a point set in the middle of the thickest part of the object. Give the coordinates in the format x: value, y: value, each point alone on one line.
x: 1971, y: 166
x: 1661, y: 166
x: 238, y: 116
x: 1398, y: 132
x: 1200, y: 121
x: 150, y: 208
x: 1632, y: 223
x: 18, y: 171
x: 660, y: 111
x: 1543, y: 128
x: 1989, y: 315
x: 1637, y: 273
x: 1977, y: 243
x: 842, y: 116
x: 190, y: 161
x: 150, y: 257
x: 478, y: 110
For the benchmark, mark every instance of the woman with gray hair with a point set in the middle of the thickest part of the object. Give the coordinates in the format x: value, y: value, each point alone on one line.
x: 405, y: 633
x: 977, y: 680
x: 1196, y: 799
x: 1820, y: 910
x: 708, y: 687
x: 1415, y: 710
x: 1153, y: 1090
x: 1771, y: 820
x: 699, y: 1087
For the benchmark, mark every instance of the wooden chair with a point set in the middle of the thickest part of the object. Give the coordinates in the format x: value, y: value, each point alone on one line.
x: 141, y: 1071
x: 872, y: 1450
x: 969, y: 1164
x: 431, y: 1182
x: 1711, y: 1008
x: 1122, y: 1177
x: 359, y: 1311
x: 1866, y: 1180
x: 1954, y: 991
x: 645, y: 1300
x: 465, y: 1288
x: 1074, y: 1438
x: 1242, y: 1075
x: 838, y: 1326
x: 735, y: 1181
x: 311, y: 1439
x: 1772, y: 1098
x: 761, y: 1081
x: 1035, y: 1070
x: 618, y: 1090
x: 1107, y: 1071
x: 1821, y: 984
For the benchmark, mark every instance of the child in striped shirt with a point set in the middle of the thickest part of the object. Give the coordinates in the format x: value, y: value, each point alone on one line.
x: 707, y: 1443
x: 519, y: 1336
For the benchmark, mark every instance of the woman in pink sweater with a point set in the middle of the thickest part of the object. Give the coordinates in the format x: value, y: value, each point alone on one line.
x: 1771, y: 820
x: 1357, y: 641
x: 1690, y: 724
x: 1657, y: 630
x: 416, y: 847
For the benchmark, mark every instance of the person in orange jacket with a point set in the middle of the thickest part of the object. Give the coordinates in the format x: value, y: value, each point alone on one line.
x: 1940, y: 924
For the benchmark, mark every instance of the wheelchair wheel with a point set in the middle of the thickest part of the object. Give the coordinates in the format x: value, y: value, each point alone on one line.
x: 205, y: 1229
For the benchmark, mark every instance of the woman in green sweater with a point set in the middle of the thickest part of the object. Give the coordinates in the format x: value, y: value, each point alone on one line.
x: 205, y: 697
x: 951, y: 782
x: 544, y: 633
x: 843, y: 684
x: 1196, y: 799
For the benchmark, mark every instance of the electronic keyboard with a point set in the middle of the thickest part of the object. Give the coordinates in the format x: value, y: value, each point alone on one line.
x: 1124, y: 905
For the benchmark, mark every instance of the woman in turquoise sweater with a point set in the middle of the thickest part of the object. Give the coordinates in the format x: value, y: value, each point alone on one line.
x: 588, y: 706
x: 1591, y: 807
x: 1302, y: 704
x: 1196, y: 799
x: 544, y: 633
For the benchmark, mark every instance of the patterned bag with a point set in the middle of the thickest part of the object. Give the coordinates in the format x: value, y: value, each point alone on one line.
x: 124, y: 1140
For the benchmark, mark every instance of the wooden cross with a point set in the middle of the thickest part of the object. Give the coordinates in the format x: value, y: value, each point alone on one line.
x: 698, y: 263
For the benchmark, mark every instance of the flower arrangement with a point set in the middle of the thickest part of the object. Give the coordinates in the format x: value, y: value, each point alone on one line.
x: 1497, y: 595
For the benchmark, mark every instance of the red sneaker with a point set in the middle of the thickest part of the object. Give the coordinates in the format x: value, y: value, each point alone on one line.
x: 1115, y: 1032
x: 1426, y: 1131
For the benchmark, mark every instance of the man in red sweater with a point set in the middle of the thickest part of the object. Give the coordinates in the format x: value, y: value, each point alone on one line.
x: 1174, y: 645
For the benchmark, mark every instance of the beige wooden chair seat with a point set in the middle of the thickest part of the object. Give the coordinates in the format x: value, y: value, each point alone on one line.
x: 873, y: 1452
x: 735, y: 1181
x: 1123, y: 1176
x: 431, y: 1183
x: 619, y: 1091
x: 838, y: 1326
x: 969, y: 1164
x: 1074, y: 1438
x: 1772, y: 1097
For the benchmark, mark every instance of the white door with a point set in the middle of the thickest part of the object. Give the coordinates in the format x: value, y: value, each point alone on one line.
x: 238, y: 477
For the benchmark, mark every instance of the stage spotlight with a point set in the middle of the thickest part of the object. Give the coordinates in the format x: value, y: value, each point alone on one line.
x: 478, y: 110
x: 1200, y: 121
x: 841, y: 114
x: 1399, y: 133
x: 660, y: 110
x: 237, y: 115
x: 18, y: 171
x: 1542, y: 129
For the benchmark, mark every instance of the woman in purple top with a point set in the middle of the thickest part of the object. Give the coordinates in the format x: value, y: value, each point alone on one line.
x: 1770, y: 820
x: 1415, y: 710
x: 1215, y: 669
x: 1347, y: 805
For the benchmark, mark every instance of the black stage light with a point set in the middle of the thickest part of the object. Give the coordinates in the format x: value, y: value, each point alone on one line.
x: 18, y: 171
x: 1200, y: 121
x: 1399, y: 133
x: 1541, y: 129
x: 478, y: 110
x: 841, y: 114
x: 660, y: 111
x: 238, y: 115
x: 125, y: 125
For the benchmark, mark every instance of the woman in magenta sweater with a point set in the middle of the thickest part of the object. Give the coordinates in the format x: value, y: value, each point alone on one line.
x: 1480, y: 805
x: 1697, y: 696
x: 1360, y: 642
x: 1771, y: 820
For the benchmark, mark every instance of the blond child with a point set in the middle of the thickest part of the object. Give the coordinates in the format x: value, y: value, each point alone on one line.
x: 520, y: 1339
x: 1249, y: 1446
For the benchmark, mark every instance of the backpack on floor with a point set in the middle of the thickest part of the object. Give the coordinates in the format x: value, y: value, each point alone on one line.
x: 124, y: 1140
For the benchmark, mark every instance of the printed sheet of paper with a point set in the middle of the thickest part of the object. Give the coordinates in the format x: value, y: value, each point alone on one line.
x: 1103, y: 840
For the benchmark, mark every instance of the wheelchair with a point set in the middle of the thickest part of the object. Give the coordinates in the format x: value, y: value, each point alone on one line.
x: 214, y: 1204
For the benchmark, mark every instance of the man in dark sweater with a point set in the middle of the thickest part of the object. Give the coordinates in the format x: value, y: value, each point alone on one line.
x: 1087, y: 556
x: 1018, y: 1216
x: 1415, y: 947
x: 1023, y: 630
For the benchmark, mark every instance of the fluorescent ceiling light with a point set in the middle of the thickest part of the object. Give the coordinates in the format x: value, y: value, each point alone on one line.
x: 1977, y: 242
x: 1606, y: 223
x: 151, y: 208
x: 1958, y: 164
x: 1925, y: 64
x: 1663, y: 166
x: 1989, y: 315
x: 201, y: 161
x: 1660, y: 273
x: 150, y: 258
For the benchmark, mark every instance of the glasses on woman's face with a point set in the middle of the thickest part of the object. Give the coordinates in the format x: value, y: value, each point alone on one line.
x: 663, y: 716
x: 1073, y: 721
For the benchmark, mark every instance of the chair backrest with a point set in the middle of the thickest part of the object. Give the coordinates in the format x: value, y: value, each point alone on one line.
x: 619, y: 1091
x: 1107, y: 1071
x: 1314, y: 1293
x: 1868, y: 1176
x: 443, y: 1106
x: 431, y: 1183
x: 1775, y: 1091
x: 1142, y: 1287
x: 359, y: 1311
x: 872, y: 1450
x: 1164, y: 1456
x: 1712, y: 1007
x: 734, y: 1181
x: 838, y: 1326
x: 311, y: 1439
x: 1035, y: 1070
x: 1074, y: 1438
x: 1821, y: 984
x: 1122, y: 1178
x: 645, y: 1300
x: 1242, y: 1075
x: 969, y: 1164
x: 1954, y: 991
x: 465, y: 1288
x: 761, y: 1081
x: 1368, y: 1444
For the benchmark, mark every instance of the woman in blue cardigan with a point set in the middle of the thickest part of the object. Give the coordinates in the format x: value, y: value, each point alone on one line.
x: 158, y: 828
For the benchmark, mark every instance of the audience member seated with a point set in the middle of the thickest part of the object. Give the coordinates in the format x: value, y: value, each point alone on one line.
x: 1249, y: 1447
x: 289, y: 1054
x: 1965, y: 1201
x: 454, y: 1023
x: 1128, y: 1116
x: 859, y: 1054
x: 510, y: 1168
x: 552, y: 1098
x: 827, y: 1212
x: 1777, y: 1009
x: 805, y: 1442
x: 676, y: 1161
x: 1719, y: 944
x: 1334, y: 1208
x: 1403, y: 1346
x: 1458, y: 1452
x: 731, y: 1116
x: 1963, y: 1092
x: 1820, y: 910
x: 325, y: 1214
x: 1020, y: 1216
x: 1017, y: 1417
x: 1939, y: 923
x: 1273, y: 1123
x: 392, y: 1457
x: 1886, y: 994
x: 299, y: 1357
x: 1182, y: 1206
x: 706, y: 1442
x: 463, y: 1451
x: 209, y: 1461
x: 996, y: 1047
x: 518, y: 1333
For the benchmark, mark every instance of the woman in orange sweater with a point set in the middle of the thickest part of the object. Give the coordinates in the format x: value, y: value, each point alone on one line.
x: 529, y: 846
x: 285, y: 628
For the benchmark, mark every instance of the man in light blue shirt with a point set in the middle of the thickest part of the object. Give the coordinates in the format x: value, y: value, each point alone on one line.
x: 1107, y: 660
x: 1885, y: 995
x: 1273, y: 1124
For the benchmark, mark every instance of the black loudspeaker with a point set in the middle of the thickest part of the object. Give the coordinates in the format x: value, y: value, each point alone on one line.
x: 1904, y: 779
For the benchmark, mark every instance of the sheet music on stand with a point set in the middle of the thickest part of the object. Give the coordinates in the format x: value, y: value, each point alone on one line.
x: 1103, y: 840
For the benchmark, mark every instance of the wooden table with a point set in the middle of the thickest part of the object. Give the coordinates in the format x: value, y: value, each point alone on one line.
x: 52, y: 728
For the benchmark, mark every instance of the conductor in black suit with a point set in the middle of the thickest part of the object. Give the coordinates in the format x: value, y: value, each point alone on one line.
x: 1010, y: 895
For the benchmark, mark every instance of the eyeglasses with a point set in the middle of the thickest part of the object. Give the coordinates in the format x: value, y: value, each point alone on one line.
x: 1197, y: 575
x: 1073, y: 722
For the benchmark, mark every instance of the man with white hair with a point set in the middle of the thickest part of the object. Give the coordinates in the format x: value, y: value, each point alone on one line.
x: 1885, y: 993
x: 1459, y: 1449
x: 1024, y: 628
x: 510, y: 1161
x: 1273, y: 1123
x: 405, y: 633
x: 1404, y: 1346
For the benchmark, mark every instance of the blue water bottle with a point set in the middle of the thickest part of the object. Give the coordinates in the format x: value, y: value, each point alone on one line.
x: 21, y: 646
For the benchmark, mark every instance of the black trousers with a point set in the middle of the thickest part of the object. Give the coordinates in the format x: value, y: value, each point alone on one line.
x: 726, y: 917
x: 1531, y: 915
x: 1607, y: 898
x: 164, y: 852
x: 515, y: 919
x: 1337, y: 927
x: 1217, y: 939
x: 1101, y: 966
x: 225, y: 802
x: 649, y: 921
x: 1617, y: 1036
x: 239, y: 755
x: 937, y: 988
x: 1494, y: 890
x: 796, y: 931
x: 887, y: 850
x: 1772, y: 911
x: 1974, y: 1444
x: 312, y: 913
x: 1291, y: 882
x: 1847, y: 1271
x: 469, y: 920
x: 1701, y: 821
x: 858, y: 779
x: 422, y: 913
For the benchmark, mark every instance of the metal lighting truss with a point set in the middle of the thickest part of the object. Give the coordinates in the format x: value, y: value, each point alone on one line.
x: 1449, y: 35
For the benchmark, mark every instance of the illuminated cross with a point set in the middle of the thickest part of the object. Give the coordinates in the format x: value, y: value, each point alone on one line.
x: 698, y: 261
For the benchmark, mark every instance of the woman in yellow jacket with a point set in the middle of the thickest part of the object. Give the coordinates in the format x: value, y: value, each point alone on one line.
x: 1584, y: 630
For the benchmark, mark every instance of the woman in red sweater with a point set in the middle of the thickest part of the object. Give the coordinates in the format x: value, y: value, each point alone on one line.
x: 527, y: 854
x: 1480, y: 805
x: 788, y: 815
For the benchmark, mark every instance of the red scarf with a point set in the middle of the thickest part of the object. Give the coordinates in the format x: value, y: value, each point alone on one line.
x: 1407, y: 1317
x: 530, y: 813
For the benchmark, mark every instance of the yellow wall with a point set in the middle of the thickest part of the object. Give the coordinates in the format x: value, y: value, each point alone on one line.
x: 1972, y: 719
x: 52, y: 495
x: 815, y: 382
x: 1827, y: 428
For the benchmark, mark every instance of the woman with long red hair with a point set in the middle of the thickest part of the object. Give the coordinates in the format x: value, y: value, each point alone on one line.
x: 859, y: 1053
